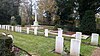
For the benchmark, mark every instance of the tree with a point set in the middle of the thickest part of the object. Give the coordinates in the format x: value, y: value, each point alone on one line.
x: 88, y: 24
x: 87, y: 18
x: 87, y: 5
x: 65, y: 10
x: 8, y: 8
x: 47, y: 10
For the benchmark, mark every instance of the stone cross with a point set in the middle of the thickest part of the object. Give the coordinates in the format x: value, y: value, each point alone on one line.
x: 75, y: 47
x: 35, y: 7
x: 94, y: 39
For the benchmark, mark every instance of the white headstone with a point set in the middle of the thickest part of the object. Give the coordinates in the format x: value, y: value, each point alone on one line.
x: 94, y: 39
x: 60, y: 32
x: 75, y: 47
x: 4, y: 26
x: 35, y: 30
x: 0, y: 26
x: 12, y: 28
x: 8, y: 27
x: 78, y: 35
x: 20, y: 29
x: 27, y: 30
x: 59, y: 44
x: 15, y: 28
x: 46, y: 32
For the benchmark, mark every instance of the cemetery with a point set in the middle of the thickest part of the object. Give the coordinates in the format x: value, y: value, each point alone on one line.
x: 49, y: 28
x: 42, y: 44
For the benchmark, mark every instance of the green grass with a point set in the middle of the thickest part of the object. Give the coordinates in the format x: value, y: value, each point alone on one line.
x: 43, y: 46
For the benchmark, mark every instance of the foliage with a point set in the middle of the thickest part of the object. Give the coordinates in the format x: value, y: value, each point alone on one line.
x: 46, y: 10
x: 13, y: 22
x: 25, y: 11
x: 18, y: 19
x: 87, y: 23
x: 23, y: 24
x: 65, y: 9
x: 88, y: 5
x: 5, y: 46
x: 7, y: 9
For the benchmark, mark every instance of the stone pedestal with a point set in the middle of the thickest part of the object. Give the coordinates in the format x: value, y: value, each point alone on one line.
x: 78, y: 35
x: 59, y: 44
x: 94, y: 39
x: 35, y: 23
x: 75, y: 47
x: 27, y: 30
x: 46, y: 32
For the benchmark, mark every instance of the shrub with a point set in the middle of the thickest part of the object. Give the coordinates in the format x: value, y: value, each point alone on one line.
x: 5, y: 46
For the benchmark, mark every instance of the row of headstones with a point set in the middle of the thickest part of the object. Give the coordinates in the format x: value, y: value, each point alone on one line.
x: 75, y: 43
x: 12, y: 28
x: 19, y: 29
x: 36, y: 31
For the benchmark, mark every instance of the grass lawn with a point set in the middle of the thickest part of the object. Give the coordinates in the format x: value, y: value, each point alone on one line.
x: 43, y: 46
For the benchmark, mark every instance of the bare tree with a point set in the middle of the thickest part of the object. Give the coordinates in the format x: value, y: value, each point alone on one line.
x: 47, y: 6
x: 25, y: 11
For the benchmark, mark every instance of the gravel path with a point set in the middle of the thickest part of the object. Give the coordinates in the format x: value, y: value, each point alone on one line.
x: 96, y: 52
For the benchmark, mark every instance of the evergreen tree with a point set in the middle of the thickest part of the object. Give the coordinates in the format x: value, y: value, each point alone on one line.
x: 8, y: 8
x: 88, y: 24
x: 65, y: 10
